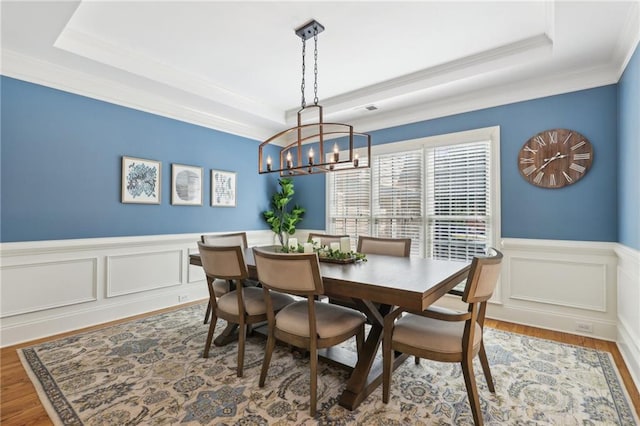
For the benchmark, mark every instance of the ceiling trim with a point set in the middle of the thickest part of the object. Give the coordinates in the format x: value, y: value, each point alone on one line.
x: 51, y: 75
x: 86, y: 46
x: 491, y: 97
x: 629, y: 39
x: 471, y: 66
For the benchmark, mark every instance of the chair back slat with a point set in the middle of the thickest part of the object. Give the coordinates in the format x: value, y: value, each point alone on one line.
x: 297, y: 273
x: 239, y: 239
x: 400, y: 247
x: 483, y: 278
x: 225, y: 262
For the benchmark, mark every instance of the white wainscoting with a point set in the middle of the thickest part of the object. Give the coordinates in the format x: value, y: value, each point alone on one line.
x: 629, y: 309
x: 557, y: 285
x: 50, y: 287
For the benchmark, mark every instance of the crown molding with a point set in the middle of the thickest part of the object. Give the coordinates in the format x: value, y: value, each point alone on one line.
x: 86, y: 46
x: 51, y: 75
x: 48, y: 74
x: 490, y: 97
x: 510, y: 54
x: 629, y: 39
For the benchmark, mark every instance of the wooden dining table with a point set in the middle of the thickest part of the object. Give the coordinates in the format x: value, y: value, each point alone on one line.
x: 375, y: 287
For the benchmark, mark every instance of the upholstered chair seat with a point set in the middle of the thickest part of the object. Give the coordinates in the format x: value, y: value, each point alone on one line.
x: 253, y: 301
x: 431, y: 334
x: 331, y: 320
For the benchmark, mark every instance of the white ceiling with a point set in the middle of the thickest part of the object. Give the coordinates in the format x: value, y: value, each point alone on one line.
x: 236, y: 66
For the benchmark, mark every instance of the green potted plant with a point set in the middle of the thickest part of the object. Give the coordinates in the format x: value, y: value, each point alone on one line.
x: 282, y: 221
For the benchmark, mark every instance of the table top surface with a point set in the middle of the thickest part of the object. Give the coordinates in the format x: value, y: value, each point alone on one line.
x: 411, y: 282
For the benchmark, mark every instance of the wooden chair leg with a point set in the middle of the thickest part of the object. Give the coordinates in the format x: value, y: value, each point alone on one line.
x: 472, y: 390
x: 212, y: 328
x: 485, y: 368
x: 242, y: 336
x: 207, y: 313
x: 313, y: 380
x: 417, y: 360
x: 360, y: 339
x: 271, y: 342
x: 387, y: 362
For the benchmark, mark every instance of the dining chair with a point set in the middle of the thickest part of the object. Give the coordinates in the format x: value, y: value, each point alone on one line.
x: 400, y: 247
x: 242, y: 306
x: 221, y: 287
x: 441, y: 334
x: 307, y: 323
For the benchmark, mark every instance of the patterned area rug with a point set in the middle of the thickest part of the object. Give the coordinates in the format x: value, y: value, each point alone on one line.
x: 150, y: 371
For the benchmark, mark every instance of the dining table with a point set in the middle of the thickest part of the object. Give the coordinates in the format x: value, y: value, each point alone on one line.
x: 375, y: 286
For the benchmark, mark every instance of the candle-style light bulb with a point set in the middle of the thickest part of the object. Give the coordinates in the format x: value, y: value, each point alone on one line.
x: 336, y: 153
x: 356, y: 161
x: 331, y: 164
x: 268, y: 163
x: 289, y: 160
x: 310, y: 156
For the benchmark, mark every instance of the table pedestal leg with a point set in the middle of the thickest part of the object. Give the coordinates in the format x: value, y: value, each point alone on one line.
x: 228, y: 335
x: 367, y: 374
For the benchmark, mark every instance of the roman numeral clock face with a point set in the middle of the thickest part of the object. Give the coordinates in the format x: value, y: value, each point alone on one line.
x: 555, y: 158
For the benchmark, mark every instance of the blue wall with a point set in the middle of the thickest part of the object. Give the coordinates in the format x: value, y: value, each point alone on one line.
x: 61, y: 153
x: 586, y: 210
x: 61, y: 169
x: 629, y: 155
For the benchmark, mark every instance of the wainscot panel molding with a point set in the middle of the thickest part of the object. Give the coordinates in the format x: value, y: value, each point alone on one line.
x: 567, y: 286
x: 37, y: 286
x: 51, y: 287
x: 135, y: 272
x: 629, y: 309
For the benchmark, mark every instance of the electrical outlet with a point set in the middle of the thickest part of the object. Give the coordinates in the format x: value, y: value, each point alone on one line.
x: 183, y: 298
x: 585, y: 327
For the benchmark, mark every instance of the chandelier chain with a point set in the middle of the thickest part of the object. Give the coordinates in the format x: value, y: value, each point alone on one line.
x: 315, y: 65
x: 303, y: 103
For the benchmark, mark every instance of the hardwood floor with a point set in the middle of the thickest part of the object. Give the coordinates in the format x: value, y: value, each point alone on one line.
x: 20, y: 404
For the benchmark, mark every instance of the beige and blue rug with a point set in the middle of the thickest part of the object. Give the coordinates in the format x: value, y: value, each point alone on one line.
x: 151, y: 372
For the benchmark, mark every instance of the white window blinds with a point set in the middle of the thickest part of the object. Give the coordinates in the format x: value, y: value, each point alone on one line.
x: 397, y: 196
x: 458, y: 204
x: 436, y: 194
x: 349, y: 202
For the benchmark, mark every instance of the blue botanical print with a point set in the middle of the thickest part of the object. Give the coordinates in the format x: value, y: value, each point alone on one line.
x: 141, y: 179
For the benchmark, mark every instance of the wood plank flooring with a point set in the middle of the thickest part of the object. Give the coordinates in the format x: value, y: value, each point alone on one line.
x: 20, y: 404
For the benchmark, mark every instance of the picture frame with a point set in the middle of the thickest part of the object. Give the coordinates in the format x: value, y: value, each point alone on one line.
x: 223, y: 188
x: 141, y: 181
x: 186, y: 185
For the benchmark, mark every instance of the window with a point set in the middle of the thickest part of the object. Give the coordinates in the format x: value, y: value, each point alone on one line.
x: 440, y: 191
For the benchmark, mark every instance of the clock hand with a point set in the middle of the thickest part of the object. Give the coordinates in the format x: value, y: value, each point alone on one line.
x: 549, y: 160
x: 557, y: 157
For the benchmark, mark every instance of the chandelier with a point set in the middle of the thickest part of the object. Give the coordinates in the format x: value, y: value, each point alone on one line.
x: 295, y: 149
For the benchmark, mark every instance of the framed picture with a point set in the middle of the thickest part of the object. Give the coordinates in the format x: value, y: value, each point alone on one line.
x: 186, y: 185
x: 141, y: 180
x: 223, y: 188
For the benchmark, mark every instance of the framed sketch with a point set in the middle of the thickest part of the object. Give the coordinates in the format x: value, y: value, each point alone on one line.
x: 186, y: 185
x: 141, y: 180
x: 223, y: 188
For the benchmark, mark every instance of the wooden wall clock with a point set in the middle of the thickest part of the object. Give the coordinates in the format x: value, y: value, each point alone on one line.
x: 555, y: 158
